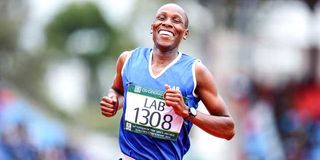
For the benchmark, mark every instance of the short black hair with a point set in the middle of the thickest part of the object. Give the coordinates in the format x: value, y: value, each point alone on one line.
x: 184, y: 12
x: 187, y: 20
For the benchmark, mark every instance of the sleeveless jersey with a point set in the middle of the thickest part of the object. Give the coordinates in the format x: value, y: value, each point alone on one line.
x: 148, y: 128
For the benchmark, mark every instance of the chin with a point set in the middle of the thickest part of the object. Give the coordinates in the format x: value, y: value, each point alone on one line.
x: 164, y: 42
x: 164, y: 46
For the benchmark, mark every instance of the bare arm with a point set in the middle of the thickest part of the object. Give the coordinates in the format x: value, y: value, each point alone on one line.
x: 219, y: 123
x: 111, y: 103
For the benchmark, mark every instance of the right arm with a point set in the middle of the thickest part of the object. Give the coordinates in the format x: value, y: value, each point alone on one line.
x: 111, y: 103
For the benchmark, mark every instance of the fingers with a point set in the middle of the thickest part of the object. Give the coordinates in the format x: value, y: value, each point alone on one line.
x: 171, y: 103
x: 167, y: 86
x: 108, y: 106
x: 108, y: 112
x: 109, y: 99
x: 174, y: 99
x: 172, y: 96
x: 174, y: 90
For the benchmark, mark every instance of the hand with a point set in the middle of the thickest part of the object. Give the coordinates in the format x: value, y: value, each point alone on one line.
x: 173, y: 98
x: 109, y: 106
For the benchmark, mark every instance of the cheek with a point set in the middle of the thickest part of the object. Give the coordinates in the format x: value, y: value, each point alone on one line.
x: 155, y: 25
x: 182, y: 31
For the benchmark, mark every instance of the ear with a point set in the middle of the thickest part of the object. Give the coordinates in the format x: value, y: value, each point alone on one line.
x: 186, y: 34
x: 151, y: 29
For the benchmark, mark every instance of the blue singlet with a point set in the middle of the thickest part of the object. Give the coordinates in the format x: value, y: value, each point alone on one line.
x: 144, y: 131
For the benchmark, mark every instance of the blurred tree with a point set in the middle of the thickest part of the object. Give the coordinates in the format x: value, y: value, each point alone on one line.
x: 13, y: 61
x: 18, y: 70
x: 11, y: 17
x: 12, y: 14
x: 80, y: 30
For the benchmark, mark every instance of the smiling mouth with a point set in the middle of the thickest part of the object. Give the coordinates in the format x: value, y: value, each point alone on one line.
x: 167, y: 33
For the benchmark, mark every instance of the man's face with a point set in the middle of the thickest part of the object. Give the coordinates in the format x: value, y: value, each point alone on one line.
x: 169, y: 26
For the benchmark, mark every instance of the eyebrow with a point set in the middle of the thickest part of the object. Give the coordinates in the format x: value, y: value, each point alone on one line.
x: 185, y: 17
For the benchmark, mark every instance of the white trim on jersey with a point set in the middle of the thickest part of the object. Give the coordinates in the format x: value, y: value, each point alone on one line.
x: 163, y: 70
x: 194, y: 77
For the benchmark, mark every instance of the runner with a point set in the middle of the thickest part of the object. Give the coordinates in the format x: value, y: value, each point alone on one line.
x: 159, y: 89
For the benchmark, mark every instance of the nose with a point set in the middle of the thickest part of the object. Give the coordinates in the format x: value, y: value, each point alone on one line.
x: 167, y: 23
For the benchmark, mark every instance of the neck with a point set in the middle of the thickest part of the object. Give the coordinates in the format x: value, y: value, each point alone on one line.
x: 164, y: 55
x: 160, y: 60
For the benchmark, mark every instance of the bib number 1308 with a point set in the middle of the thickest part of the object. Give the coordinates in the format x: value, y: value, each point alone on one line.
x: 153, y: 119
x: 146, y: 113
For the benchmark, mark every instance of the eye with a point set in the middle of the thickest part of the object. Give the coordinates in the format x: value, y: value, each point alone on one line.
x: 176, y: 20
x: 161, y: 18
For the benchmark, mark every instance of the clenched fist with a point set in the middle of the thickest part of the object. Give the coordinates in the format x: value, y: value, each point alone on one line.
x: 109, y: 106
x: 173, y: 98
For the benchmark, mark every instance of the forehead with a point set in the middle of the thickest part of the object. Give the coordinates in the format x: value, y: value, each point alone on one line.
x: 172, y: 9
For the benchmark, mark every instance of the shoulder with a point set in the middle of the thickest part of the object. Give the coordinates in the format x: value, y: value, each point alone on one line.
x: 204, y: 77
x: 126, y: 54
x: 137, y: 51
x: 200, y: 68
x: 123, y: 56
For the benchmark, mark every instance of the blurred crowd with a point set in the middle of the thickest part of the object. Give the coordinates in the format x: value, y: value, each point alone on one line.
x: 282, y: 121
x: 26, y: 135
x: 278, y: 121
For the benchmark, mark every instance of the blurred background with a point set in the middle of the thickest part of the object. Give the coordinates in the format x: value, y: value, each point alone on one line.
x: 57, y: 59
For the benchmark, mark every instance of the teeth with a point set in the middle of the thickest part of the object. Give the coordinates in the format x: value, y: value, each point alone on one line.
x: 162, y: 32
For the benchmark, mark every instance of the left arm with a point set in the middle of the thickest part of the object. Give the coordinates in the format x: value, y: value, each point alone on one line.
x: 219, y: 122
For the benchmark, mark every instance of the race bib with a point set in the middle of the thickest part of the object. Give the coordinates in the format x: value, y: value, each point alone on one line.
x: 146, y: 113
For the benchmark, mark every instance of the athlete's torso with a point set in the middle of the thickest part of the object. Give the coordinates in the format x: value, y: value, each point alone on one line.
x: 148, y: 128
